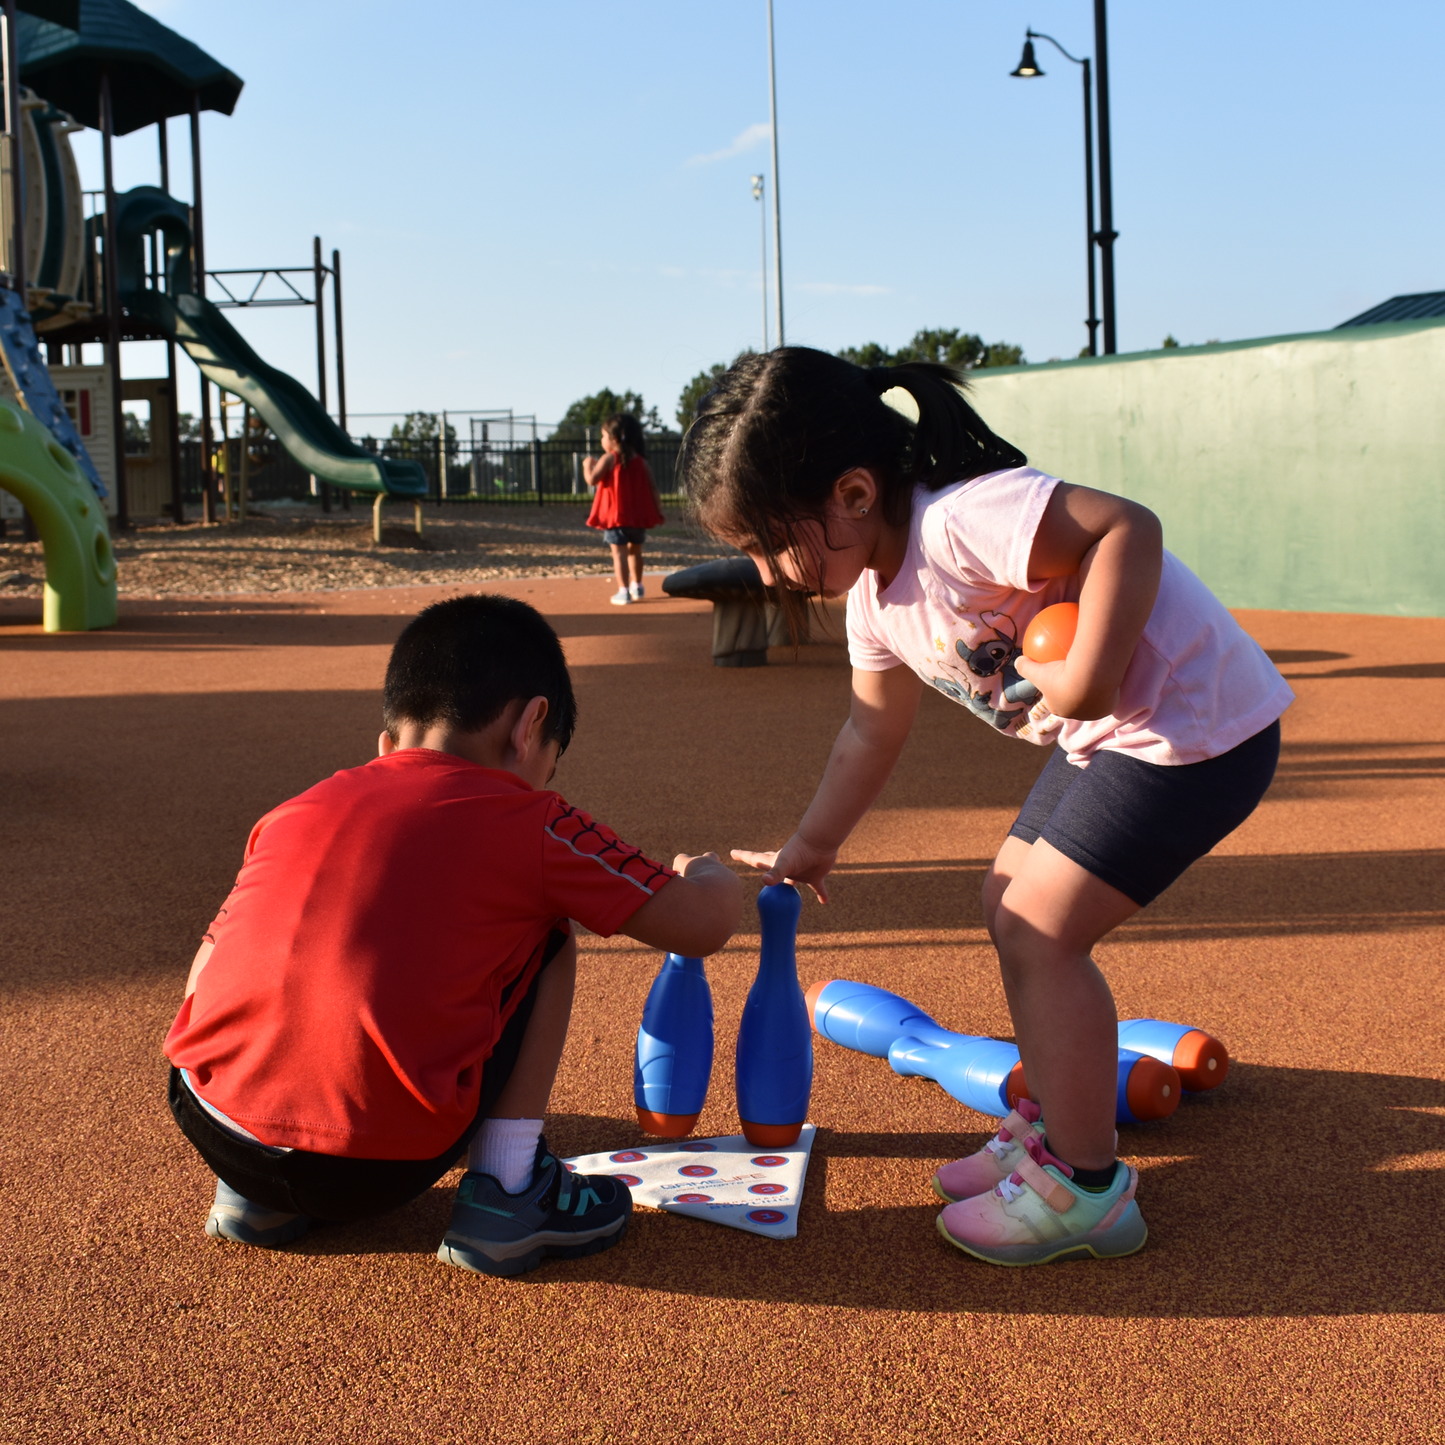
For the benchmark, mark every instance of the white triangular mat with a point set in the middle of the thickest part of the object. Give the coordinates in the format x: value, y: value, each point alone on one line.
x: 727, y: 1180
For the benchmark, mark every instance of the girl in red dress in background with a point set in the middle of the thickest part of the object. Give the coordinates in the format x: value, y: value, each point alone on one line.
x: 624, y: 501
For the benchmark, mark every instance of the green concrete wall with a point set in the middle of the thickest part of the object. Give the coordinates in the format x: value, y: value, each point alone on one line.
x: 1305, y: 473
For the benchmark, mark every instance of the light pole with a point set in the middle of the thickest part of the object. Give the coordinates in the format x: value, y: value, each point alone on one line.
x: 1106, y: 235
x: 1028, y: 69
x: 763, y: 217
x: 777, y: 212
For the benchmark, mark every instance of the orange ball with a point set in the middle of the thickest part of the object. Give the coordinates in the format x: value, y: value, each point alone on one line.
x: 1050, y: 635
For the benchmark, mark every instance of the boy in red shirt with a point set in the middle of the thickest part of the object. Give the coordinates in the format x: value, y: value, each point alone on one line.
x: 389, y: 983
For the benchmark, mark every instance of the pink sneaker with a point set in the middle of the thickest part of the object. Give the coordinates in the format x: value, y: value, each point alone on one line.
x: 1037, y: 1215
x: 992, y: 1164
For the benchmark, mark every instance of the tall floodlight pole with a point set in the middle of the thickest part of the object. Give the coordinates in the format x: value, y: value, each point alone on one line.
x: 1107, y: 234
x: 777, y: 205
x: 763, y: 218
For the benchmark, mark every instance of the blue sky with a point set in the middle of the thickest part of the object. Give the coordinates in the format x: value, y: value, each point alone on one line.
x: 534, y: 201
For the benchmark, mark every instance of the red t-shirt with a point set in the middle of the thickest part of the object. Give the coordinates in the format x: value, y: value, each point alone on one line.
x: 624, y: 497
x: 382, y: 928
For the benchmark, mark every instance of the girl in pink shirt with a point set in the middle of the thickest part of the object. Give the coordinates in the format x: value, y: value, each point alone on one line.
x: 946, y: 544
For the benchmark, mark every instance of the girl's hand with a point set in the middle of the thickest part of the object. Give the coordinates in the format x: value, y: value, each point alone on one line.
x: 1051, y: 679
x: 795, y: 862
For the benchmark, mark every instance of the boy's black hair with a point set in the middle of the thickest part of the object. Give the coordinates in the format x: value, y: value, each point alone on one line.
x: 626, y: 430
x: 460, y: 662
x: 781, y: 427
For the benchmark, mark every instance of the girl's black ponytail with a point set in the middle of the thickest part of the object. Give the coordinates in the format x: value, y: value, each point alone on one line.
x: 779, y: 429
x: 951, y: 442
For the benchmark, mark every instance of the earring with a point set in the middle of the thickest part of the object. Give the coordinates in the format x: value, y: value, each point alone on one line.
x: 862, y: 511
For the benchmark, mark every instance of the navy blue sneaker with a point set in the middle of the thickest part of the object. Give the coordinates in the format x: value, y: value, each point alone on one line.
x: 558, y: 1215
x: 241, y: 1220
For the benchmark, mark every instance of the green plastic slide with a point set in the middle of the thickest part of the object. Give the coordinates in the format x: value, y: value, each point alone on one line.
x: 49, y: 484
x: 299, y: 421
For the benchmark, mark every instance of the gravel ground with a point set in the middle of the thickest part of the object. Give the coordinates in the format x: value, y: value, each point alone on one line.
x: 303, y: 551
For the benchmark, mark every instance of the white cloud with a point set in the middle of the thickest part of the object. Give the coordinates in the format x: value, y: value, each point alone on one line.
x: 834, y: 288
x: 754, y: 135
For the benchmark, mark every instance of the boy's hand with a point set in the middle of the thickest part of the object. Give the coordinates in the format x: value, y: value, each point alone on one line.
x: 695, y: 913
x: 685, y: 861
x: 795, y: 862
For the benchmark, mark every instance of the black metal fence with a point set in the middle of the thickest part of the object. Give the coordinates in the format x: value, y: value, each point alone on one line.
x: 462, y: 472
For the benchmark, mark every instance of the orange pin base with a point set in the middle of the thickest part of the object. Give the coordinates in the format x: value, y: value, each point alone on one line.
x: 811, y: 997
x: 771, y: 1136
x: 1016, y: 1086
x: 666, y: 1126
x: 1153, y: 1090
x: 1201, y: 1061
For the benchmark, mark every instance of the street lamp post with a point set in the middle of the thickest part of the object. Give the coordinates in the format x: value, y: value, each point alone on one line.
x: 1107, y: 234
x: 777, y: 212
x: 763, y: 218
x: 1028, y: 69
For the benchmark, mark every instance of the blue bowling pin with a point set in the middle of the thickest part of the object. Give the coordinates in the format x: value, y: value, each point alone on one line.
x: 775, y: 1044
x: 1199, y: 1059
x: 873, y: 1021
x: 977, y: 1071
x: 673, y: 1061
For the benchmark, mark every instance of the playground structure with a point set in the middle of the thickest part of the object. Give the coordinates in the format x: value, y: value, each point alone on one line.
x: 133, y: 271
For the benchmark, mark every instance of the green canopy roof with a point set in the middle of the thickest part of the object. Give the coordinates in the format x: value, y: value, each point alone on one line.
x: 152, y: 69
x: 62, y: 12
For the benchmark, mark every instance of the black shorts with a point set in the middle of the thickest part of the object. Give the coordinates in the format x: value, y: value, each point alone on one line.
x: 619, y: 536
x: 1137, y: 825
x: 327, y: 1186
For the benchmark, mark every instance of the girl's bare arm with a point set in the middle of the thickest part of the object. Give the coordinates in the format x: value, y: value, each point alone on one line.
x: 862, y: 760
x: 1117, y: 549
x: 595, y: 469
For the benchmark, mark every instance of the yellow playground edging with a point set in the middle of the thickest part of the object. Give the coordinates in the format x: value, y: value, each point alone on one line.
x: 79, y: 561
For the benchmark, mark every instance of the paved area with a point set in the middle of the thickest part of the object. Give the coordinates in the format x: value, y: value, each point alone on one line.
x: 1294, y: 1282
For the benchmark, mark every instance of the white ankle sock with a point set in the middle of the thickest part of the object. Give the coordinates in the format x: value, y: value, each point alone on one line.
x: 506, y: 1149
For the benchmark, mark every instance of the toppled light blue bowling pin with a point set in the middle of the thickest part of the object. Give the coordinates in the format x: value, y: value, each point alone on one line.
x: 775, y: 1044
x: 980, y: 1072
x: 873, y: 1021
x: 673, y: 1060
x: 1199, y: 1059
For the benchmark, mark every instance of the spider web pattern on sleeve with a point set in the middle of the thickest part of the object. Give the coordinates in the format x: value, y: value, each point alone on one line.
x: 588, y: 839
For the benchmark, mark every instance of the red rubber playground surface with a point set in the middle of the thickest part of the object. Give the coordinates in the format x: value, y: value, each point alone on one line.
x: 1294, y: 1280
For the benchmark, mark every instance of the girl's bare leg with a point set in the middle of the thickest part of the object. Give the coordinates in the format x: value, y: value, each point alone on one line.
x: 1045, y: 914
x: 619, y: 565
x: 634, y: 561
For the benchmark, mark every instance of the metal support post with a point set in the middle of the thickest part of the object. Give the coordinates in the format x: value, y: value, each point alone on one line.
x: 319, y: 275
x: 243, y: 478
x: 537, y: 469
x: 441, y: 457
x: 12, y: 130
x: 340, y: 356
x: 225, y: 458
x: 112, y: 302
x: 198, y: 264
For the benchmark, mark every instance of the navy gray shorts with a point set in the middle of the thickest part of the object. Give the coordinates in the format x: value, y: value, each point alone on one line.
x: 620, y: 536
x: 1139, y: 825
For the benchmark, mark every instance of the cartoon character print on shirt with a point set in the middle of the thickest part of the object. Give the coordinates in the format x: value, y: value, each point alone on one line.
x: 992, y: 657
x: 995, y: 656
